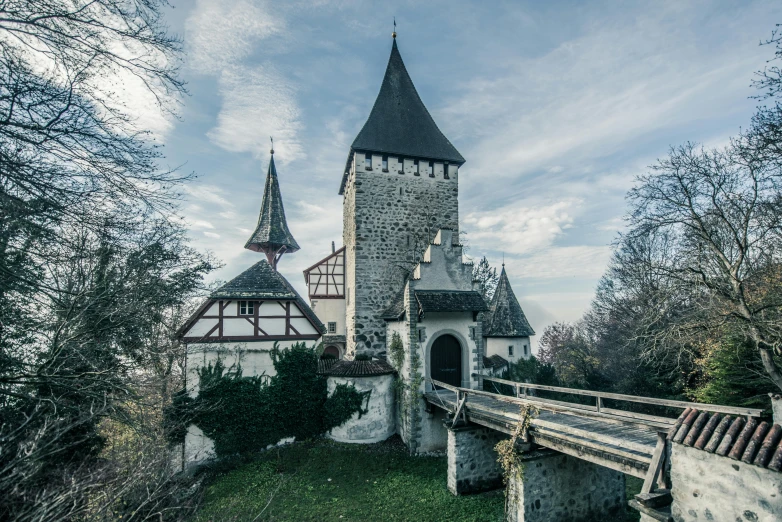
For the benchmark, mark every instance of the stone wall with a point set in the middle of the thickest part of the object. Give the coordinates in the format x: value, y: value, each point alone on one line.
x: 561, y: 488
x: 378, y: 423
x: 706, y: 486
x: 387, y: 216
x: 472, y: 461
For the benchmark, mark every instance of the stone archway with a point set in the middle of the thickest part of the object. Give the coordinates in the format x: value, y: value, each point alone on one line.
x: 445, y: 360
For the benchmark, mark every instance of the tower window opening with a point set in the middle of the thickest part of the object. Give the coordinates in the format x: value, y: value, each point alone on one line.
x: 525, y: 349
x: 401, y: 163
x: 400, y: 191
x: 431, y: 169
x: 416, y: 167
x: 385, y: 164
x: 445, y: 171
x: 368, y: 161
x: 510, y: 351
x: 246, y: 307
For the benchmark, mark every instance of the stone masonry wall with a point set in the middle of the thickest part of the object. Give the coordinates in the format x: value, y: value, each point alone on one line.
x: 561, y: 488
x: 386, y: 217
x: 472, y: 461
x: 706, y: 486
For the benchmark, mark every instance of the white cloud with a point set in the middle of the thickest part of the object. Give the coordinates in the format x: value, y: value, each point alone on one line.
x: 554, y: 262
x: 518, y: 228
x: 221, y: 32
x: 257, y: 103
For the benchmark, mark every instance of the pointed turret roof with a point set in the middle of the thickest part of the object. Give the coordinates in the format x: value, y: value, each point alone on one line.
x: 272, y: 232
x: 505, y: 317
x: 399, y: 122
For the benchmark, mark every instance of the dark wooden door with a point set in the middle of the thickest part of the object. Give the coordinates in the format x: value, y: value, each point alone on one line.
x: 446, y: 360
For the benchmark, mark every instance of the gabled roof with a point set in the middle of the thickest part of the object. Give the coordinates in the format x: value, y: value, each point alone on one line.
x: 272, y: 230
x: 261, y: 281
x: 494, y: 362
x: 346, y: 368
x: 399, y: 122
x: 450, y: 301
x: 505, y: 317
x: 396, y: 308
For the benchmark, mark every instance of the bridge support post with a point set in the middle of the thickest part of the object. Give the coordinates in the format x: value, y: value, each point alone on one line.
x: 552, y: 487
x: 472, y: 461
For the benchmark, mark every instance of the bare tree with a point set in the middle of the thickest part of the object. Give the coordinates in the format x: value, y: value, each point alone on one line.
x: 716, y: 222
x: 93, y: 271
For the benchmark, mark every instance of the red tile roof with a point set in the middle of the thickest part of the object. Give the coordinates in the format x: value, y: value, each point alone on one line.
x: 747, y: 439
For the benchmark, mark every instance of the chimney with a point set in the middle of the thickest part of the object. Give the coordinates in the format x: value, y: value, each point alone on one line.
x: 332, y: 247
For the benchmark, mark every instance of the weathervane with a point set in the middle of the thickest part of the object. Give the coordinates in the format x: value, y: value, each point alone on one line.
x: 393, y: 35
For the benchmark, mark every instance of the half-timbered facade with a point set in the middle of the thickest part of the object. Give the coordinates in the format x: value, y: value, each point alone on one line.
x: 326, y: 287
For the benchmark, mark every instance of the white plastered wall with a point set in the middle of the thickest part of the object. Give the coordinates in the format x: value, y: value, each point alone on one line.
x: 499, y: 346
x: 330, y: 310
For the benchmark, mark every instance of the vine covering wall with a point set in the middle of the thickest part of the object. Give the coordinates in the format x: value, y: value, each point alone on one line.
x: 244, y: 414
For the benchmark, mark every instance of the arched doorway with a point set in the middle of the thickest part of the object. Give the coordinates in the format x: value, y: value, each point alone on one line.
x: 445, y: 360
x: 331, y: 352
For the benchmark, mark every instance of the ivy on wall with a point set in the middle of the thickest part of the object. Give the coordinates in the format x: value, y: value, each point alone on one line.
x: 244, y: 414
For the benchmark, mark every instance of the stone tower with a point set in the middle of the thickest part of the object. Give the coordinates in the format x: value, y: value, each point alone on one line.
x: 400, y: 186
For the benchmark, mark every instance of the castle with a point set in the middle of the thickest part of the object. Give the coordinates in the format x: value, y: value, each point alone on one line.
x: 400, y: 278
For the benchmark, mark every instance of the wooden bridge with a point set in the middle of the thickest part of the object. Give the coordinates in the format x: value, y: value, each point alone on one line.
x: 629, y: 442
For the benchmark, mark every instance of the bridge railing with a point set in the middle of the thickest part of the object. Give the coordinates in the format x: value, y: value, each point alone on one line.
x: 522, y: 391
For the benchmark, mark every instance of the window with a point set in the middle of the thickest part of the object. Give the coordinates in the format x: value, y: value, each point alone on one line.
x: 445, y: 171
x: 246, y: 307
x: 368, y: 161
x: 510, y: 351
x: 525, y: 349
x: 401, y: 163
x: 385, y: 164
x: 332, y: 327
x: 416, y: 172
x: 431, y: 169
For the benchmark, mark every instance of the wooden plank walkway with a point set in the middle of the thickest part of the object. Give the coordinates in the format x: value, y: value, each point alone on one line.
x: 623, y: 446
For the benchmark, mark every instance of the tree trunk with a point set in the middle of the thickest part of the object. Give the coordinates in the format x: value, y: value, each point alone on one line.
x: 771, y: 367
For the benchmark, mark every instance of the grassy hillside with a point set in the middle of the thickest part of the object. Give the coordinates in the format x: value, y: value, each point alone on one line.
x: 325, y: 481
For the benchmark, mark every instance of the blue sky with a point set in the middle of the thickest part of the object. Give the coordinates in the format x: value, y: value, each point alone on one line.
x: 556, y: 106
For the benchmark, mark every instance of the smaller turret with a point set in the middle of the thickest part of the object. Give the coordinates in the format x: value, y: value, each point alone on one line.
x: 272, y: 236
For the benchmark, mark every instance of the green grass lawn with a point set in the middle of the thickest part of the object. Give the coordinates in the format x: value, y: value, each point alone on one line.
x: 325, y: 481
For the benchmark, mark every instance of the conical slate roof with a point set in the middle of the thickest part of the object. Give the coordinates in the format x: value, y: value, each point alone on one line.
x: 272, y: 230
x: 399, y: 122
x: 505, y: 317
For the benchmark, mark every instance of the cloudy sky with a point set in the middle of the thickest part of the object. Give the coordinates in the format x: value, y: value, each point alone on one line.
x: 555, y: 105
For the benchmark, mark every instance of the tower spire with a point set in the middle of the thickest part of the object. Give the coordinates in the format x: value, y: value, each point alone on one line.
x: 271, y: 235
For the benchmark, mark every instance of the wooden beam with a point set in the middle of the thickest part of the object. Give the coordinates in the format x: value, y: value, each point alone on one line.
x: 658, y: 459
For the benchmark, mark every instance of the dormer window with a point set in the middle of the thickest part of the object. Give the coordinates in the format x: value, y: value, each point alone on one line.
x: 246, y: 307
x: 445, y: 171
x: 416, y: 167
x: 368, y: 161
x: 431, y: 169
x: 385, y: 164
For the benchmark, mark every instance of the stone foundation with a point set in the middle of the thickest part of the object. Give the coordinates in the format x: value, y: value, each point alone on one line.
x: 472, y: 461
x: 710, y: 487
x: 561, y: 488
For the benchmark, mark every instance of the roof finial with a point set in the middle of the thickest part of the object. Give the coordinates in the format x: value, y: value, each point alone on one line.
x: 272, y: 140
x: 393, y: 35
x: 503, y: 260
